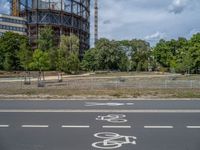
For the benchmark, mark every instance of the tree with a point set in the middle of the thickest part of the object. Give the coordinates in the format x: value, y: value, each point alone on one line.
x: 73, y: 63
x: 40, y: 62
x: 9, y: 48
x: 194, y: 49
x: 140, y: 55
x: 60, y: 63
x: 68, y: 54
x: 110, y: 54
x: 25, y: 56
x: 89, y: 62
x: 46, y: 43
x: 7, y: 64
x: 162, y: 53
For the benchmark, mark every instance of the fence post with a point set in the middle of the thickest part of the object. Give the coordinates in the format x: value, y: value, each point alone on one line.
x: 191, y: 84
x: 165, y: 84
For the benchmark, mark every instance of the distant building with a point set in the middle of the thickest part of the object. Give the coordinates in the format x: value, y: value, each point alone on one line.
x: 13, y: 24
x: 65, y: 17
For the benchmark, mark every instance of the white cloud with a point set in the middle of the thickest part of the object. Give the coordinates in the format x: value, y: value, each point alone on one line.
x: 155, y: 37
x: 194, y: 31
x: 178, y: 6
x: 4, y: 6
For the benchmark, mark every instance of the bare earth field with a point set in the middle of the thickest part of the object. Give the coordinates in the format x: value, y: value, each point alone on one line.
x: 104, y: 85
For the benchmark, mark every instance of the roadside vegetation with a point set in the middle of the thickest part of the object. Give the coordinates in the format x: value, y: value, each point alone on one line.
x: 112, y: 61
x: 176, y: 56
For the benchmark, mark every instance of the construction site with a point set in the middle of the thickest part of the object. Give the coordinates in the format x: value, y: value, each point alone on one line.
x: 65, y: 17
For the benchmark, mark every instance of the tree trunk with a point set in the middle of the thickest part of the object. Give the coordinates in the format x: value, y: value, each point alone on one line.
x: 40, y: 81
x: 27, y: 80
x: 60, y: 77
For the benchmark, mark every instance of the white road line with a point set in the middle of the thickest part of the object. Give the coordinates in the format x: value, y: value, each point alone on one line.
x: 193, y: 127
x: 74, y: 126
x: 4, y: 126
x: 102, y: 110
x: 158, y: 127
x: 117, y: 127
x: 35, y: 126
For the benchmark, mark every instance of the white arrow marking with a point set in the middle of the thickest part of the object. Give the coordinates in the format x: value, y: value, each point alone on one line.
x: 71, y: 126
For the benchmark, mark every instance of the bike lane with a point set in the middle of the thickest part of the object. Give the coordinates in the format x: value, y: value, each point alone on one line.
x: 103, y: 130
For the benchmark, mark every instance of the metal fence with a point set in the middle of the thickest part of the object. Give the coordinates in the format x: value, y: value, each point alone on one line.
x: 122, y: 83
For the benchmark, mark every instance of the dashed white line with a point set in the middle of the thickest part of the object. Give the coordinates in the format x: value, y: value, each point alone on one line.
x: 117, y: 127
x: 158, y: 127
x: 35, y: 126
x: 4, y: 126
x: 193, y: 127
x: 74, y: 126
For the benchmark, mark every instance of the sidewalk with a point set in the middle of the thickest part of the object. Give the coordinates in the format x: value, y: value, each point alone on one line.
x: 86, y: 76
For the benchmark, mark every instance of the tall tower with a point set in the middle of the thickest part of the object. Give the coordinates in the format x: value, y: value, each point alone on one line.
x: 95, y: 21
x: 15, y: 8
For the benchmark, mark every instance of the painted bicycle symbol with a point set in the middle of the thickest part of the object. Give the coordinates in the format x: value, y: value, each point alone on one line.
x: 112, y: 140
x: 114, y: 118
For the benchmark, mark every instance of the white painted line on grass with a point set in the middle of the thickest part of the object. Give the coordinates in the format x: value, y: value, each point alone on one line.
x: 158, y: 127
x: 74, y: 126
x: 101, y: 110
x: 35, y: 126
x: 117, y: 127
x: 193, y: 127
x: 4, y: 126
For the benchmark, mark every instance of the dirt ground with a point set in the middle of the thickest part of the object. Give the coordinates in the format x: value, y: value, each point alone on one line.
x: 107, y: 85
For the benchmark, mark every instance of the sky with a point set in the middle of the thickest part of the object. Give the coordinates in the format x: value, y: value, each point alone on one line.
x: 150, y: 20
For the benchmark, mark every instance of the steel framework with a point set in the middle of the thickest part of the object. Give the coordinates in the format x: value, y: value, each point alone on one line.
x: 95, y: 21
x: 64, y: 16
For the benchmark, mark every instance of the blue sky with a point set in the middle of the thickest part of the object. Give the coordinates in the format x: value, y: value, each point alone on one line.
x: 150, y: 20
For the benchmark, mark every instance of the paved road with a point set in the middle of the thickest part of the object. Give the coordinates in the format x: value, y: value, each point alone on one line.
x: 64, y: 130
x: 80, y: 104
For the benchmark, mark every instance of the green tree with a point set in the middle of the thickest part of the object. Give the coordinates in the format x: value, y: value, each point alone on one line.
x: 9, y: 48
x: 194, y: 49
x: 110, y: 54
x: 68, y: 54
x: 73, y: 63
x: 40, y: 62
x: 7, y: 65
x: 60, y: 63
x: 25, y: 56
x: 163, y: 54
x: 89, y: 62
x: 46, y: 43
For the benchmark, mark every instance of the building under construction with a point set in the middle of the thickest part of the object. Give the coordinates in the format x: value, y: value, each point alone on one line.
x: 64, y: 16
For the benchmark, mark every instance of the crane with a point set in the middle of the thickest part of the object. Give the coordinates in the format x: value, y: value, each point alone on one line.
x: 95, y: 21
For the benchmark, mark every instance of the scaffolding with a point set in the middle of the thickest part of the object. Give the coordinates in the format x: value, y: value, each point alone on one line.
x: 15, y: 9
x: 65, y: 17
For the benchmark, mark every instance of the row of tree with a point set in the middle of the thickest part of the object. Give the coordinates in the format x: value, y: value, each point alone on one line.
x: 180, y: 55
x: 16, y: 53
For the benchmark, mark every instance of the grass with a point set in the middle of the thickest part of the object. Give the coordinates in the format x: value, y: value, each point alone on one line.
x: 118, y: 93
x: 84, y: 88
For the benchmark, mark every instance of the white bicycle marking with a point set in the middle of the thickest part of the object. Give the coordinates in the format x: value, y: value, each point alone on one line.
x: 107, y: 104
x: 112, y: 140
x: 114, y: 118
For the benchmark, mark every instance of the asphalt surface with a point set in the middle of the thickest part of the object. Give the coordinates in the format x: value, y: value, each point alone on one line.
x: 80, y: 104
x: 36, y: 130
